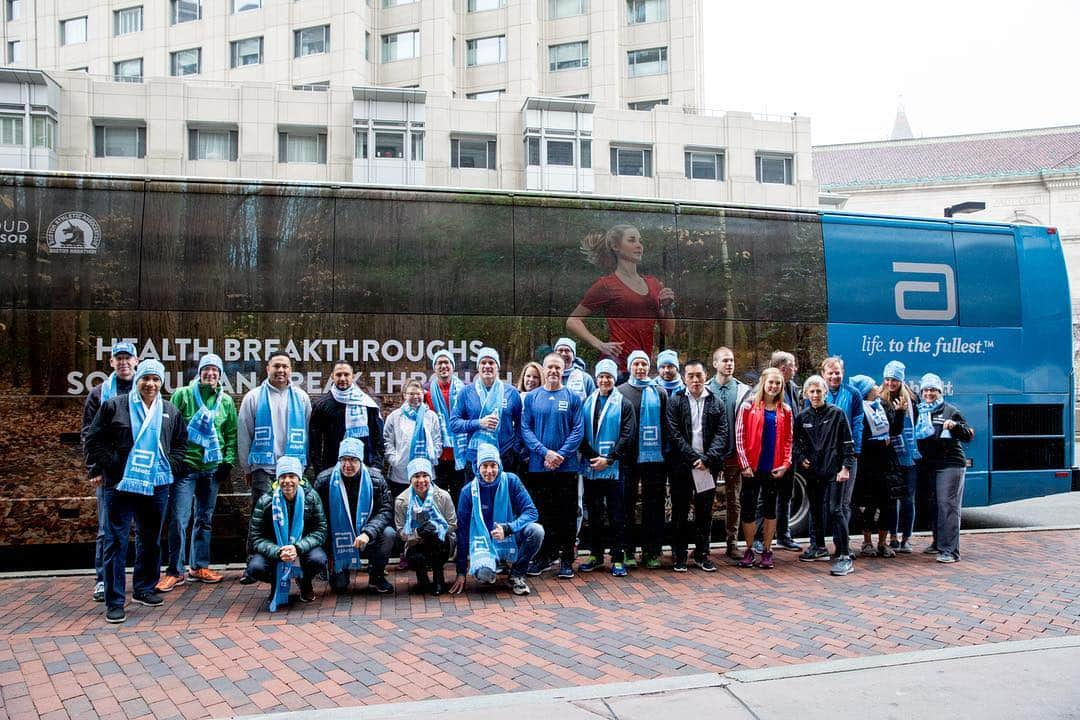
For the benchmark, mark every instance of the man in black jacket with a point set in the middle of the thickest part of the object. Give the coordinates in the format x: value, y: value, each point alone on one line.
x: 308, y: 550
x: 109, y: 443
x: 697, y: 426
x: 327, y: 427
x: 123, y: 360
x: 375, y: 540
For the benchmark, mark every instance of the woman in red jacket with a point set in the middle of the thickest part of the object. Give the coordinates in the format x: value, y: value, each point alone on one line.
x: 763, y: 430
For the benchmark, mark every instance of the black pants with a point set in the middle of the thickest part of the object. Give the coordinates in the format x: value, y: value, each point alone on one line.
x: 758, y: 495
x: 555, y: 495
x: 785, y: 488
x: 376, y: 552
x: 604, y: 499
x: 450, y: 479
x: 429, y: 554
x: 683, y: 493
x: 816, y: 492
x: 647, y: 481
x: 264, y: 569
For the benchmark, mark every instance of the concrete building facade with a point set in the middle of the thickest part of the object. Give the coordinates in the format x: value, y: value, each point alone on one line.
x: 594, y: 96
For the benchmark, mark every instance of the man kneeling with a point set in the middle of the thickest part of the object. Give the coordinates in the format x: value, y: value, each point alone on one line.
x: 361, y: 518
x: 287, y: 531
x: 496, y: 525
x: 425, y: 519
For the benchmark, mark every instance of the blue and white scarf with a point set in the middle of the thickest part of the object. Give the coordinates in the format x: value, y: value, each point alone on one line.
x: 648, y: 421
x: 418, y: 445
x: 356, y: 403
x: 605, y: 434
x: 876, y: 419
x: 672, y: 386
x: 344, y: 525
x: 286, y: 535
x: 924, y: 427
x: 108, y: 388
x: 415, y: 505
x: 458, y: 442
x: 147, y: 467
x: 201, y: 430
x: 491, y: 403
x: 296, y: 434
x: 484, y: 550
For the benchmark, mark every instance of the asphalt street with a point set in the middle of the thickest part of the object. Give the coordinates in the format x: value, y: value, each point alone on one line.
x: 1049, y: 511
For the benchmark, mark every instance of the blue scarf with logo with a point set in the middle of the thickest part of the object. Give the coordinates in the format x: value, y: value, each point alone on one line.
x: 484, y: 550
x: 603, y: 436
x: 146, y: 467
x: 200, y: 429
x: 491, y: 403
x: 286, y: 533
x: 345, y: 525
x: 296, y: 434
x: 648, y: 421
x: 418, y: 445
x: 108, y: 388
x: 924, y: 427
x: 415, y: 506
x: 458, y: 442
x: 356, y: 403
x: 876, y: 419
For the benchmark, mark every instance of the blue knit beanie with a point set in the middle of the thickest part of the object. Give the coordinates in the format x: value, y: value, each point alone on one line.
x: 667, y: 357
x: 929, y: 380
x: 149, y: 367
x: 863, y: 383
x: 607, y: 366
x: 894, y: 370
x: 419, y: 465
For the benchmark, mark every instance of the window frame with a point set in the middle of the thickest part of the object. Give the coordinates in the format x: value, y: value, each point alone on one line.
x: 470, y: 5
x: 119, y: 14
x: 582, y: 59
x: 651, y: 103
x: 117, y: 77
x: 174, y: 58
x: 176, y: 6
x: 548, y: 142
x: 233, y: 142
x: 553, y: 9
x: 719, y: 159
x: 51, y: 127
x: 661, y: 62
x: 320, y: 136
x: 14, y: 47
x: 498, y: 93
x: 64, y: 41
x: 234, y: 53
x: 491, y: 151
x: 298, y: 41
x: 616, y: 165
x: 235, y: 10
x: 384, y: 45
x: 101, y: 140
x: 471, y: 50
x: 761, y: 157
x: 631, y: 5
x: 16, y: 124
x: 13, y: 10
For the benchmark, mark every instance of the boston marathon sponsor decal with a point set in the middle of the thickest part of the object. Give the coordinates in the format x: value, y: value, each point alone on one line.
x: 73, y: 233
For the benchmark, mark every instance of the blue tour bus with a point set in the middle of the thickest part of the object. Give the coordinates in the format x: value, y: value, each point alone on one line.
x: 384, y: 277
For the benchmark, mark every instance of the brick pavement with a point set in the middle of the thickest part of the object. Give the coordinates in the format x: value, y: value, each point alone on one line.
x: 213, y: 651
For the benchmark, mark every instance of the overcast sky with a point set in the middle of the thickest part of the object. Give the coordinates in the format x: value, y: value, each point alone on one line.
x: 960, y: 66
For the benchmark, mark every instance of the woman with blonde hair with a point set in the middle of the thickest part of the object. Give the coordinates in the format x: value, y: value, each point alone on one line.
x: 531, y: 377
x: 763, y: 435
x: 632, y: 303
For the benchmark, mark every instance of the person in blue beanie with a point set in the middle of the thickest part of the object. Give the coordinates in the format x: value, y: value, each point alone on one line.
x: 496, y: 526
x: 903, y: 401
x: 488, y: 410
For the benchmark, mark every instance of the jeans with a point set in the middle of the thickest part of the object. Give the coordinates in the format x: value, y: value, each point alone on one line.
x: 683, y: 492
x: 840, y: 513
x: 949, y: 486
x: 376, y: 552
x: 529, y: 540
x: 148, y: 513
x: 601, y: 494
x: 555, y: 495
x: 816, y: 487
x: 649, y: 535
x: 732, y: 492
x: 905, y: 518
x: 758, y: 494
x: 102, y: 528
x: 264, y: 569
x: 201, y: 490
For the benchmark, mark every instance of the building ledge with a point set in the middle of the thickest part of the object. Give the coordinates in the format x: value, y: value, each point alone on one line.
x: 389, y: 94
x: 559, y: 104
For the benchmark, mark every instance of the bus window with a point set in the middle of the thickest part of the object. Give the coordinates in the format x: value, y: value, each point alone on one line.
x: 987, y: 276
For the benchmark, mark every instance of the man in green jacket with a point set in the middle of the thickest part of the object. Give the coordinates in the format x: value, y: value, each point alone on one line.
x: 210, y: 416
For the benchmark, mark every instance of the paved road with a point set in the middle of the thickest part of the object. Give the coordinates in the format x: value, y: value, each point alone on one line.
x: 1052, y: 510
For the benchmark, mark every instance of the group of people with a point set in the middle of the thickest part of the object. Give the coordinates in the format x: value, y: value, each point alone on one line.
x: 495, y: 476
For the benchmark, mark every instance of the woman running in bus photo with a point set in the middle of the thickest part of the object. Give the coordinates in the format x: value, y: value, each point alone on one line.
x: 631, y: 302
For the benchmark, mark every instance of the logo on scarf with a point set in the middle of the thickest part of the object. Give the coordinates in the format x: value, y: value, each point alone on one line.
x: 73, y: 233
x: 142, y: 459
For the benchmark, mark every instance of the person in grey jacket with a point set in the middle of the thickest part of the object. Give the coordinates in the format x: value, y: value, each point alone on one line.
x: 426, y: 520
x: 399, y: 431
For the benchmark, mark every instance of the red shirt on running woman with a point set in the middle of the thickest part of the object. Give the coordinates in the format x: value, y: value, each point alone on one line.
x: 631, y: 317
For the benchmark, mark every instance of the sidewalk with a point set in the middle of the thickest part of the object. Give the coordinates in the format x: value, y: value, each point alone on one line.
x: 1004, y: 680
x: 213, y: 651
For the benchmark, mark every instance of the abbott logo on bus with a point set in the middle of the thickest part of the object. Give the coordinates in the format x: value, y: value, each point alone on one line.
x: 906, y: 288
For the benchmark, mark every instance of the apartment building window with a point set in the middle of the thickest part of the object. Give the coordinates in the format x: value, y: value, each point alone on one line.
x: 481, y: 5
x: 44, y: 132
x: 389, y: 144
x: 646, y: 104
x: 775, y: 168
x: 73, y: 31
x: 361, y: 146
x: 119, y: 141
x: 474, y: 152
x: 395, y: 3
x: 14, y: 9
x: 486, y: 95
x: 127, y: 20
x: 14, y: 52
x: 631, y: 161
x: 11, y: 130
x: 239, y: 6
x: 566, y: 8
x: 651, y: 61
x: 128, y: 71
x: 704, y: 164
x: 213, y: 144
x: 246, y: 52
x: 485, y: 51
x: 586, y: 153
x: 321, y: 86
x: 568, y: 56
x: 185, y: 62
x: 646, y: 11
x: 311, y: 41
x: 182, y: 11
x: 560, y: 152
x: 367, y: 46
x: 302, y: 147
x: 401, y: 46
x: 84, y: 69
